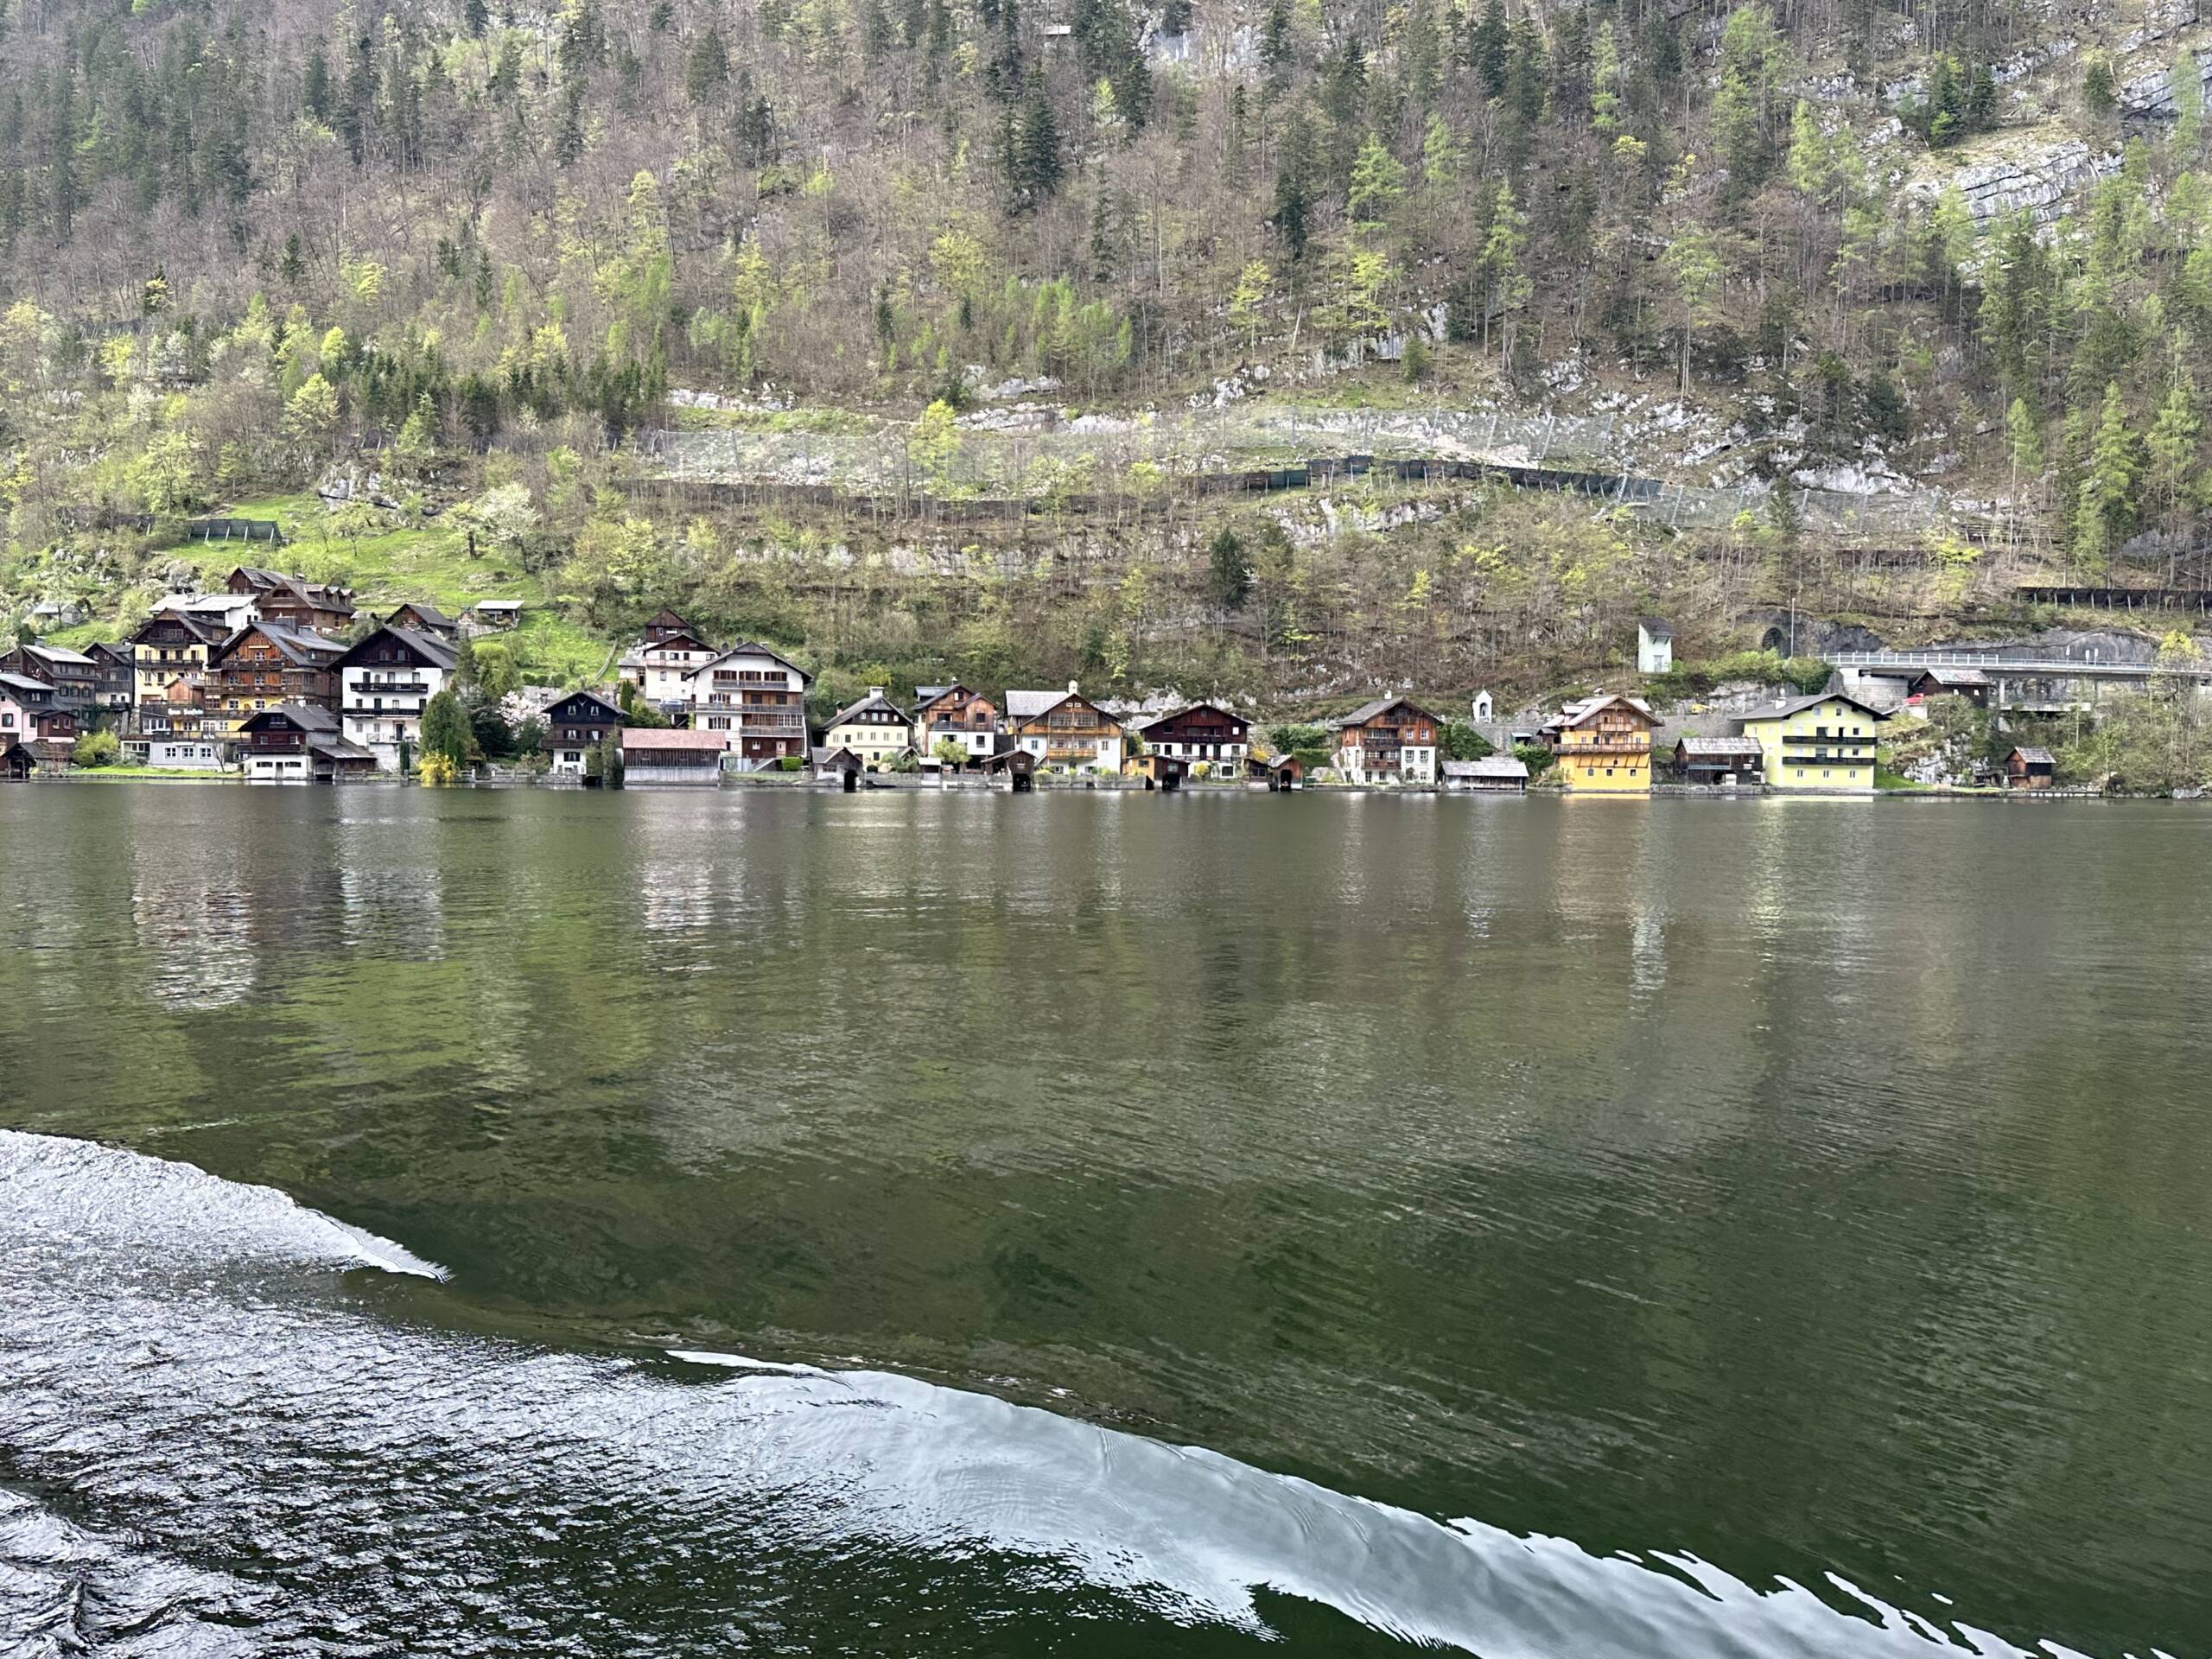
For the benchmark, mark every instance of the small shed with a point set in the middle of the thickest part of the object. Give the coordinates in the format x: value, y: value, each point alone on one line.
x: 2031, y: 768
x: 496, y: 616
x: 1720, y: 762
x: 1280, y: 772
x: 1016, y: 769
x: 652, y: 754
x: 1494, y: 774
x: 17, y: 762
x: 1159, y: 770
x: 334, y: 759
x: 830, y: 765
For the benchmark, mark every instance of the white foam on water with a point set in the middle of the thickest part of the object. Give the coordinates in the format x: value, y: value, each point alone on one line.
x: 228, y: 1406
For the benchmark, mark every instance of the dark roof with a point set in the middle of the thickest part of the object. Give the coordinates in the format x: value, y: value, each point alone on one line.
x: 873, y: 700
x: 1656, y: 628
x: 755, y: 648
x: 821, y: 757
x: 308, y: 718
x: 1191, y: 708
x: 1784, y: 709
x: 209, y: 633
x: 1969, y: 676
x: 429, y: 613
x: 320, y: 594
x: 338, y: 749
x: 302, y: 645
x: 442, y: 653
x: 14, y: 682
x: 606, y: 710
x: 1368, y: 710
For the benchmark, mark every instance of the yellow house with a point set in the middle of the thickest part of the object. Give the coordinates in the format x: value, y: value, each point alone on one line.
x: 1604, y: 744
x: 872, y: 728
x: 1825, y: 741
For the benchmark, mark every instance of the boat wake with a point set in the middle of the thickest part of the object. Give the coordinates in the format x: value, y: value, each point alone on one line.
x: 190, y: 1380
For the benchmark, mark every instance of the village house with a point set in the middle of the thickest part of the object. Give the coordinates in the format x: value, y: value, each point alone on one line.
x: 1494, y: 774
x: 662, y: 663
x: 424, y: 619
x: 1972, y: 683
x: 33, y: 716
x: 265, y: 665
x: 293, y: 601
x: 673, y: 754
x: 494, y: 615
x: 953, y: 713
x: 1824, y: 741
x: 385, y: 680
x: 169, y: 655
x: 1719, y: 762
x: 74, y: 678
x: 294, y: 743
x: 1065, y: 729
x: 1604, y: 744
x: 2031, y: 768
x: 1205, y: 731
x: 118, y: 687
x: 1388, y: 739
x: 757, y: 699
x: 575, y: 726
x: 875, y: 728
x: 1655, y: 646
x: 174, y: 753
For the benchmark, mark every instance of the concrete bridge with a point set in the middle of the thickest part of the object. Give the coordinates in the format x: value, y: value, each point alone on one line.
x: 2023, y: 678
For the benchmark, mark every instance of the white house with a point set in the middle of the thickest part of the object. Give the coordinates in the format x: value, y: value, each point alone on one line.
x: 1391, y: 740
x: 661, y: 665
x: 384, y: 681
x: 754, y: 695
x: 1065, y: 729
x: 183, y: 754
x: 1655, y: 646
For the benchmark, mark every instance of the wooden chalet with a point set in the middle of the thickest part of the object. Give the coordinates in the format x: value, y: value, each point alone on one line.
x: 1972, y: 683
x: 1203, y: 731
x: 576, y: 724
x: 1720, y: 762
x: 1604, y: 744
x: 386, y: 679
x: 1388, y: 739
x: 74, y: 678
x: 293, y: 601
x: 118, y: 687
x: 424, y: 619
x: 2031, y: 768
x: 955, y: 713
x: 297, y: 743
x: 756, y: 697
x: 269, y: 664
x: 1065, y: 729
x: 1014, y: 769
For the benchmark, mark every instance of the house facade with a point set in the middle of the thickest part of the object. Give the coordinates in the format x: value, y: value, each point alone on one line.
x: 31, y: 713
x: 662, y: 663
x: 293, y: 601
x: 385, y: 680
x: 117, y: 688
x: 1655, y: 646
x: 1603, y: 745
x: 293, y: 743
x: 1065, y: 729
x: 754, y: 698
x: 169, y: 665
x: 1825, y: 741
x: 955, y: 713
x: 1203, y: 731
x: 1390, y: 740
x: 576, y: 724
x: 75, y: 678
x: 875, y: 728
x: 266, y: 665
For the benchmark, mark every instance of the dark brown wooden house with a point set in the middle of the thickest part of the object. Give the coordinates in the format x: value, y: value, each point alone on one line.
x: 117, y: 665
x: 1280, y: 772
x: 2031, y: 768
x: 955, y: 713
x: 294, y: 602
x: 1205, y: 731
x: 74, y: 678
x: 1972, y: 683
x: 267, y: 663
x: 424, y: 619
x: 1389, y: 738
x: 294, y: 743
x: 576, y: 725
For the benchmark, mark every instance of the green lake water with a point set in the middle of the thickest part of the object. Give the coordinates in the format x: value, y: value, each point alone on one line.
x: 927, y: 1223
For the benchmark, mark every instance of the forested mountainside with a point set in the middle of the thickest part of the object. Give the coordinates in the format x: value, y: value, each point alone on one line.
x: 479, y: 249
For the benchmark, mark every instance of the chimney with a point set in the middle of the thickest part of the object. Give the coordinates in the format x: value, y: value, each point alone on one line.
x: 875, y: 690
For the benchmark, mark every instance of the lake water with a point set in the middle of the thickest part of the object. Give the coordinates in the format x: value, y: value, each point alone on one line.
x: 908, y: 1224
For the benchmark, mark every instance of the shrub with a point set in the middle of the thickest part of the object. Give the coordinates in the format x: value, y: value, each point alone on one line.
x: 788, y: 763
x: 1535, y: 756
x: 97, y: 749
x: 438, y: 771
x: 1463, y: 742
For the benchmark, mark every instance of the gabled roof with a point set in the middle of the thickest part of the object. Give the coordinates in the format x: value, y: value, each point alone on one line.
x: 1656, y: 629
x: 1368, y: 710
x: 118, y: 651
x: 873, y: 700
x: 319, y: 594
x: 302, y: 645
x: 1191, y: 708
x: 677, y: 639
x: 497, y: 605
x: 1968, y: 676
x: 58, y: 654
x: 338, y: 749
x: 1796, y: 705
x: 305, y: 716
x: 1575, y: 713
x: 430, y: 615
x: 208, y: 633
x: 2035, y: 757
x: 752, y: 648
x: 20, y: 682
x: 1027, y: 705
x: 442, y: 653
x: 604, y: 709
